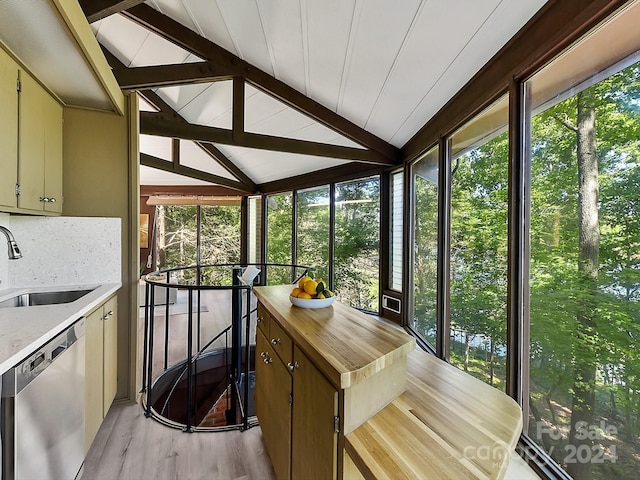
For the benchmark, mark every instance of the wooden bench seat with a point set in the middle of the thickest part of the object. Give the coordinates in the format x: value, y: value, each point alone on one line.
x: 447, y: 425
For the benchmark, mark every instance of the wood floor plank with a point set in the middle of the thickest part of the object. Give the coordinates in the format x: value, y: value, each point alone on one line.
x: 130, y: 446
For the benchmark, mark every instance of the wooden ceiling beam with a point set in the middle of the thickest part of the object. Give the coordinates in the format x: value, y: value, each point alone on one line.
x: 157, y: 76
x: 155, y: 162
x: 156, y: 124
x: 96, y: 10
x: 341, y: 173
x: 227, y: 164
x: 189, y: 40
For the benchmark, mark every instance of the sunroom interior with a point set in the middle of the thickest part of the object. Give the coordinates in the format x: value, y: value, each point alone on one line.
x: 444, y: 213
x: 468, y: 173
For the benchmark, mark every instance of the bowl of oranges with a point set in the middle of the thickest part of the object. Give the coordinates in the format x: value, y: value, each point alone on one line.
x: 311, y: 293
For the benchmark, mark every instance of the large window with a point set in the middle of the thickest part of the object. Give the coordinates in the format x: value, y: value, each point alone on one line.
x: 198, y: 234
x: 478, y: 245
x: 356, y: 256
x: 312, y: 237
x: 584, y: 394
x: 279, y: 230
x: 176, y: 236
x: 337, y: 232
x: 424, y: 259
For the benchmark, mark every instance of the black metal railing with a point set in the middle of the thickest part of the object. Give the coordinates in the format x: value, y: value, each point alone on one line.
x: 180, y: 391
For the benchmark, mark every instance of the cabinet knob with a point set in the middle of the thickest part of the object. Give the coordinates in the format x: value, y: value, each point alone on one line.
x: 293, y: 366
x: 52, y: 200
x: 260, y: 320
x: 275, y: 341
x: 268, y: 360
x: 110, y: 313
x: 45, y: 199
x: 263, y: 354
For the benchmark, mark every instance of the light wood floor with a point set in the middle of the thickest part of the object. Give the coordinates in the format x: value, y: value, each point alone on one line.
x: 130, y: 446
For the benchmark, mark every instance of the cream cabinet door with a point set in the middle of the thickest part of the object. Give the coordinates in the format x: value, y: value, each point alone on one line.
x: 8, y: 130
x: 110, y: 348
x: 314, y: 440
x: 32, y: 101
x: 94, y: 359
x: 52, y: 189
x: 273, y: 406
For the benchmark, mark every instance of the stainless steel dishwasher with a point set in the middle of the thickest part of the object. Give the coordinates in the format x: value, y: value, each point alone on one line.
x: 42, y: 413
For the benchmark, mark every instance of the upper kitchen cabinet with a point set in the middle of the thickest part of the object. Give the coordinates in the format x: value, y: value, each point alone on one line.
x: 39, y: 149
x: 8, y: 130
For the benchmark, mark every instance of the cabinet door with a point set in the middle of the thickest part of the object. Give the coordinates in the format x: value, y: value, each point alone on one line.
x: 110, y: 346
x: 93, y: 371
x: 52, y: 188
x: 31, y: 143
x: 314, y: 441
x: 273, y: 406
x: 8, y: 130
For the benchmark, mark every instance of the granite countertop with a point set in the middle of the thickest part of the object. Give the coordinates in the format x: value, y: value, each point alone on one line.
x: 25, y: 329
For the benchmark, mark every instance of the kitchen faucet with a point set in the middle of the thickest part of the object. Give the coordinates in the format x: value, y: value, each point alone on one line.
x: 14, y: 251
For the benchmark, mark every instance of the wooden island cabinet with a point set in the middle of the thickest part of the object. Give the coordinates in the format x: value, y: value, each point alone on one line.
x: 342, y: 395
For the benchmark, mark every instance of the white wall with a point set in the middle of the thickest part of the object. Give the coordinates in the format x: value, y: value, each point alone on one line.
x: 63, y: 251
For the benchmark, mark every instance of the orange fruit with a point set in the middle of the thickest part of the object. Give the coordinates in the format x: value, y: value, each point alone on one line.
x: 310, y: 287
x: 295, y: 292
x: 304, y: 295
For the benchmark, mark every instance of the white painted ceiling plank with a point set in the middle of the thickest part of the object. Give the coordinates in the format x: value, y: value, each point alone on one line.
x: 329, y: 27
x: 122, y: 37
x: 436, y: 39
x: 282, y: 24
x: 212, y: 106
x: 191, y: 155
x: 504, y: 22
x: 206, y: 14
x: 245, y: 27
x: 380, y: 37
x: 177, y: 10
x: 159, y: 147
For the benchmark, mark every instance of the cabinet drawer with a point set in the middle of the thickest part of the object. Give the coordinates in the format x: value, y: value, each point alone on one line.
x: 281, y: 342
x: 263, y: 320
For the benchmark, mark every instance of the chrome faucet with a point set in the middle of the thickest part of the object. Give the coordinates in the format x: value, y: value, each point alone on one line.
x: 14, y: 251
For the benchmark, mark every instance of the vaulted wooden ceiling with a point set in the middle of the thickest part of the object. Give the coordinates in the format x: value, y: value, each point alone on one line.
x: 262, y: 95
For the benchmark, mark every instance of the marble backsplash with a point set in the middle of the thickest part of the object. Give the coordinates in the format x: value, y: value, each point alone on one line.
x: 62, y: 251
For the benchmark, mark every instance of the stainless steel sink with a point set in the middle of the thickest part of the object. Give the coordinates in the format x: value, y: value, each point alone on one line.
x: 44, y: 298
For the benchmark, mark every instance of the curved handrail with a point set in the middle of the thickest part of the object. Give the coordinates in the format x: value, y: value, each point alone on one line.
x: 169, y: 278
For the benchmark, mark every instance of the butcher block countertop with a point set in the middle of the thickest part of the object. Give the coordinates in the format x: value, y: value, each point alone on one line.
x: 347, y: 345
x: 447, y: 425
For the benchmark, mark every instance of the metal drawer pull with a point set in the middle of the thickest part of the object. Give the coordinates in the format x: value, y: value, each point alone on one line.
x: 293, y: 366
x: 268, y: 360
x: 275, y: 341
x: 263, y: 354
x: 260, y: 320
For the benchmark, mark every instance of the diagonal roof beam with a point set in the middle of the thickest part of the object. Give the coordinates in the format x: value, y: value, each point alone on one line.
x: 159, y: 164
x: 152, y: 123
x: 96, y: 10
x: 162, y: 75
x: 227, y: 164
x: 185, y: 38
x: 166, y: 111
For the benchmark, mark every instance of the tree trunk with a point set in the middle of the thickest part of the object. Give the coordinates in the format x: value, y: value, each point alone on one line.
x: 583, y: 403
x: 161, y: 239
